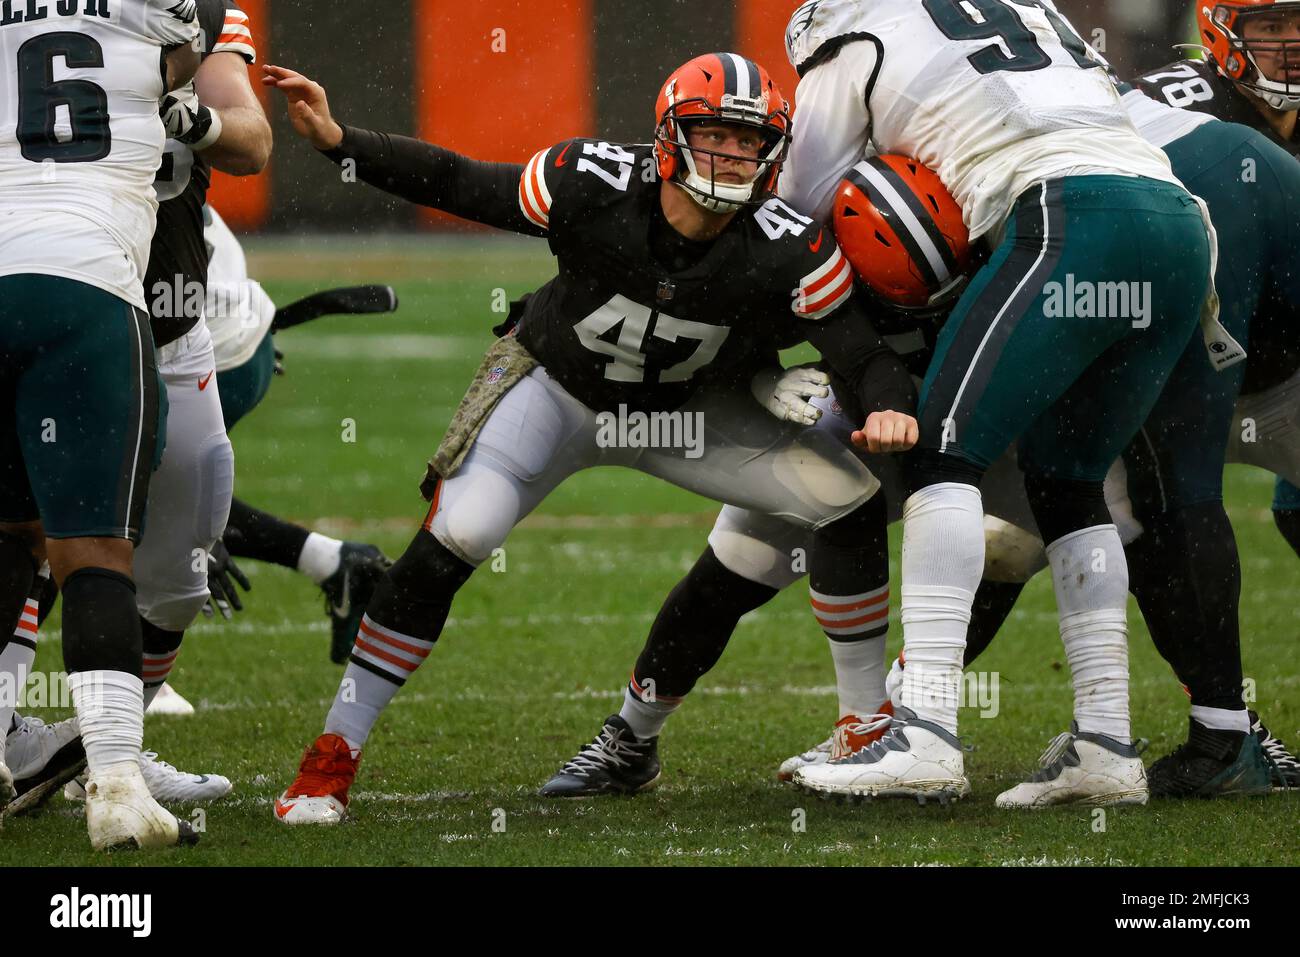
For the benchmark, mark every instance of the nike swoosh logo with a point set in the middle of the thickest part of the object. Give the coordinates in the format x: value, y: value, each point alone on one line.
x: 817, y: 244
x: 283, y: 809
x: 203, y: 383
x: 560, y: 160
x: 344, y: 609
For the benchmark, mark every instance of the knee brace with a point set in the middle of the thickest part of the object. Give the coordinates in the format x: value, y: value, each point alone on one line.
x: 1011, y: 554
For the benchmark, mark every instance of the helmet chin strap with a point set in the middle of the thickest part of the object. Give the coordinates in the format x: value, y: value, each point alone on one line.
x: 1282, y: 102
x: 714, y: 196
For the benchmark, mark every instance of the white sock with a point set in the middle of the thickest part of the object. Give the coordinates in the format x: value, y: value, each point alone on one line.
x: 15, y: 665
x: 943, y: 560
x: 361, y: 698
x: 1221, y: 719
x: 110, y: 713
x: 320, y: 557
x: 1090, y: 576
x: 646, y: 718
x: 859, y: 675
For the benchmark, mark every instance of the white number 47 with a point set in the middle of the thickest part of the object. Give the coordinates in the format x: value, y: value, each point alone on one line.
x: 611, y: 153
x: 627, y: 352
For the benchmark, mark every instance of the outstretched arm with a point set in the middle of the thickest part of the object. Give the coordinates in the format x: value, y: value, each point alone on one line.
x: 419, y: 172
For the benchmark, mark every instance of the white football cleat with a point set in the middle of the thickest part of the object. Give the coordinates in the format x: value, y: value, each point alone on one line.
x: 914, y: 758
x: 165, y: 783
x: 32, y: 744
x: 120, y: 812
x: 850, y: 734
x: 6, y: 784
x: 1082, y: 768
x: 816, y: 755
x: 168, y: 701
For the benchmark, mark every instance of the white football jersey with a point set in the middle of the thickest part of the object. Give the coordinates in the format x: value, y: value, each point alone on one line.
x: 1159, y: 123
x: 80, y: 136
x: 993, y: 95
x: 238, y: 310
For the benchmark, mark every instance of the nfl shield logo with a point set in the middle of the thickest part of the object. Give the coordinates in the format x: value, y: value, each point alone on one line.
x: 496, y: 374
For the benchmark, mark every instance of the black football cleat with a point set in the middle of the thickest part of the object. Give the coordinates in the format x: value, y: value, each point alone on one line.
x: 615, y: 763
x: 1283, y: 765
x: 348, y: 591
x: 1211, y: 764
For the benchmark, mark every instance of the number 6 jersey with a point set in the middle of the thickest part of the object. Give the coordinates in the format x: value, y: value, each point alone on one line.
x: 994, y: 95
x: 80, y: 137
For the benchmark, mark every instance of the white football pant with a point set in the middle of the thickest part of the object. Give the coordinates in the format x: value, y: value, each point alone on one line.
x: 189, y: 494
x: 724, y: 445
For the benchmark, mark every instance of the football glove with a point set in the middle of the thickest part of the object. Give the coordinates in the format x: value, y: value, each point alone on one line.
x: 785, y: 392
x: 223, y: 573
x: 188, y: 120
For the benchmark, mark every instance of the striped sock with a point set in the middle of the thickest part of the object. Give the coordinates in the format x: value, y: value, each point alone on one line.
x: 382, y: 659
x: 645, y: 712
x: 17, y: 656
x: 161, y: 649
x: 856, y: 627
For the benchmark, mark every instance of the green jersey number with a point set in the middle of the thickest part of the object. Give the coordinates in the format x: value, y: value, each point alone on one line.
x: 998, y: 20
x: 86, y: 136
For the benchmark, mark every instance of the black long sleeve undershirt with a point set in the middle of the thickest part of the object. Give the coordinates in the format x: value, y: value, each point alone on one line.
x: 862, y: 362
x: 429, y: 175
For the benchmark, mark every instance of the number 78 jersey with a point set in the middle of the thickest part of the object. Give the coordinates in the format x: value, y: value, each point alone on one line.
x: 80, y: 136
x: 993, y: 95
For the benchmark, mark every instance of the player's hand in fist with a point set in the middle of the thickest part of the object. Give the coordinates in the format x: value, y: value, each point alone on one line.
x: 887, y: 432
x: 309, y: 110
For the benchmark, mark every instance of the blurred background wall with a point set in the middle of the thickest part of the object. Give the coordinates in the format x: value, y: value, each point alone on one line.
x: 500, y: 79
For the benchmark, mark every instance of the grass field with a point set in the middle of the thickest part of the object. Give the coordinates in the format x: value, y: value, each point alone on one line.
x: 535, y: 656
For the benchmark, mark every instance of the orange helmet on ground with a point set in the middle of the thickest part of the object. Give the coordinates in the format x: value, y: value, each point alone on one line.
x: 902, y: 231
x: 721, y: 88
x: 1221, y: 26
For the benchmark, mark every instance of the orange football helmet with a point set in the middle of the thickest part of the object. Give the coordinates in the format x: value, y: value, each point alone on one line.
x: 725, y: 88
x: 1220, y: 25
x: 902, y: 232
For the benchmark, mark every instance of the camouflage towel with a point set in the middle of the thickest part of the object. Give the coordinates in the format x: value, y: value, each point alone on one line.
x: 505, y: 363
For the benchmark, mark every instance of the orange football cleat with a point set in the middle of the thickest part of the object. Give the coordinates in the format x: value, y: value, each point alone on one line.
x: 319, y: 794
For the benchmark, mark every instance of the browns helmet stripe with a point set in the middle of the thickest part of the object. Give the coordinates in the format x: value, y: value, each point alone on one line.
x: 913, y: 223
x: 729, y: 80
x: 740, y: 76
x: 924, y: 218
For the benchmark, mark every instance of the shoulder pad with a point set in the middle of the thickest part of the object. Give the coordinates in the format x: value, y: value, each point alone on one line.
x: 820, y: 26
x: 579, y: 172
